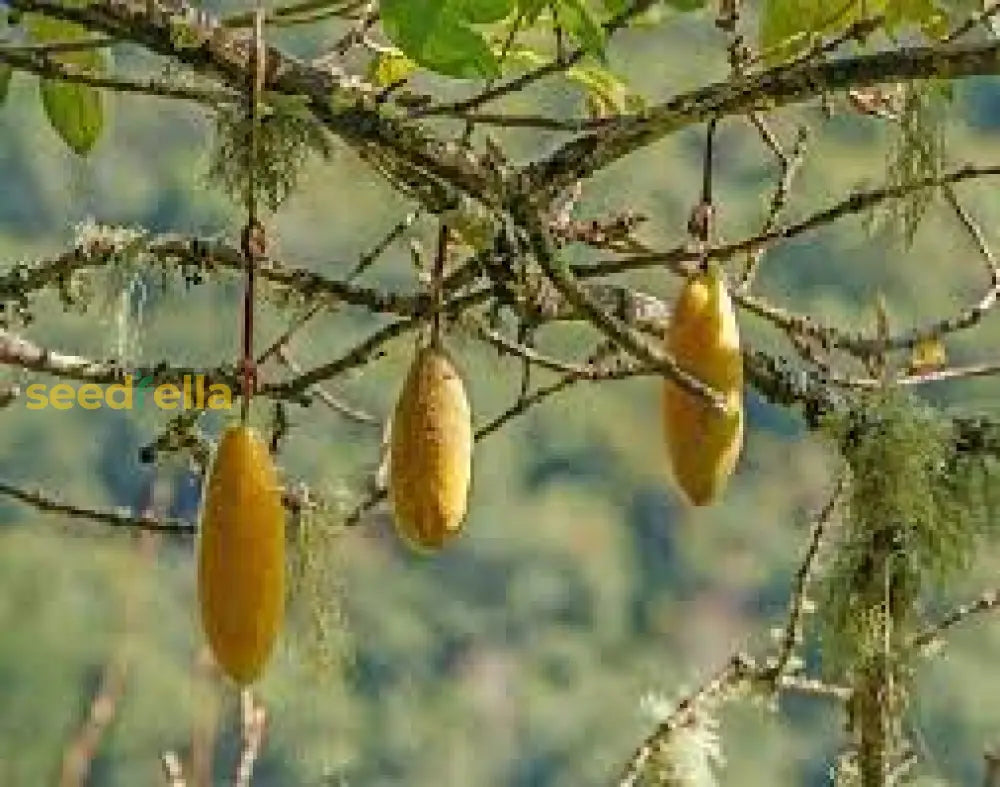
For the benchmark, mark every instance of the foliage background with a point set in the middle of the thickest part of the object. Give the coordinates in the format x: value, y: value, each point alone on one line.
x: 519, y: 656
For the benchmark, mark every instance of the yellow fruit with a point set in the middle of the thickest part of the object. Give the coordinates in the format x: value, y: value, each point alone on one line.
x: 703, y: 443
x: 241, y: 555
x: 430, y: 452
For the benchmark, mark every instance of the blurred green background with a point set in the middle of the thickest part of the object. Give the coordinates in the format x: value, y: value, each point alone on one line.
x: 519, y: 655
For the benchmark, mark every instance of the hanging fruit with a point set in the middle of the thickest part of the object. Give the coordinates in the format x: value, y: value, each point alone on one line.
x: 430, y: 452
x: 704, y: 443
x: 241, y: 555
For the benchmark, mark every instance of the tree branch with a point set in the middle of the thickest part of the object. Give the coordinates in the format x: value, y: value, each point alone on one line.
x: 776, y: 87
x: 115, y: 518
x: 347, y: 106
x: 36, y: 62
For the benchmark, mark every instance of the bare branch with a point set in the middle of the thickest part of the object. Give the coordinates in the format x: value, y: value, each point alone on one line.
x: 364, y: 352
x: 17, y: 351
x: 172, y: 770
x: 738, y: 668
x: 987, y: 602
x: 351, y: 413
x: 253, y: 720
x: 35, y: 61
x: 513, y: 348
x: 343, y: 103
x: 80, y: 753
x: 852, y: 205
x: 792, y: 635
x: 622, y: 334
x: 343, y: 8
x: 775, y: 87
x: 115, y: 518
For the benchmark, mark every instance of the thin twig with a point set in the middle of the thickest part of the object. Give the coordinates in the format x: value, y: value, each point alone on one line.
x: 792, y: 634
x: 615, y: 330
x: 282, y: 13
x: 738, y: 668
x: 43, y: 502
x: 513, y: 348
x: 35, y: 63
x: 204, y: 727
x: 987, y: 602
x: 980, y: 17
x: 253, y: 720
x: 55, y: 47
x: 520, y: 407
x: 791, y: 164
x: 351, y: 413
x: 172, y: 770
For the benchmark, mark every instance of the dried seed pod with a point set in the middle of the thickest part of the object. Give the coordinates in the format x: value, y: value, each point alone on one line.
x: 430, y: 452
x: 703, y: 443
x: 241, y: 555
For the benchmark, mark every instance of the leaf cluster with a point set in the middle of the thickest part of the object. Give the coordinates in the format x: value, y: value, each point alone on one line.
x: 452, y: 37
x: 789, y: 28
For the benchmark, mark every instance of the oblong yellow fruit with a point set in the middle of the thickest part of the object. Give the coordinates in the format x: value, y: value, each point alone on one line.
x: 241, y: 555
x: 430, y: 459
x: 703, y: 443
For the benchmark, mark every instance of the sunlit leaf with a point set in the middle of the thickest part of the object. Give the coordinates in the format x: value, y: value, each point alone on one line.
x: 390, y: 67
x: 75, y: 111
x: 530, y: 10
x: 439, y: 34
x: 579, y: 21
x: 789, y: 27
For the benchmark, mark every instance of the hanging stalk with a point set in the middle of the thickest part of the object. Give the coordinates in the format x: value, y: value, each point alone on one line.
x: 702, y: 217
x: 254, y: 243
x: 437, y: 280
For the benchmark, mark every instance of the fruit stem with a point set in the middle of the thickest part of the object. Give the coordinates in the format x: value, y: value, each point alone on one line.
x: 702, y: 217
x: 706, y: 174
x: 254, y: 243
x: 437, y: 295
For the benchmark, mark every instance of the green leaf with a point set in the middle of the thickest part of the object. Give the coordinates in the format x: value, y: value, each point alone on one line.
x: 579, y: 21
x: 925, y: 14
x: 389, y: 67
x: 6, y: 72
x: 789, y: 27
x: 686, y: 5
x: 483, y: 11
x: 530, y: 10
x: 75, y: 112
x: 438, y: 34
